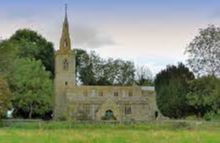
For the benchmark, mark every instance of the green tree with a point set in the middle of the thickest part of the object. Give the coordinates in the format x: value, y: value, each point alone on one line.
x: 31, y: 88
x: 204, y: 52
x: 144, y: 76
x: 30, y: 44
x: 126, y: 73
x: 94, y: 70
x: 84, y: 68
x: 204, y: 95
x: 5, y: 97
x: 171, y: 87
x: 8, y: 53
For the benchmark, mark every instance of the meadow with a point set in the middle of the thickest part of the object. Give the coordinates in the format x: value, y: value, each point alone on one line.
x: 152, y: 132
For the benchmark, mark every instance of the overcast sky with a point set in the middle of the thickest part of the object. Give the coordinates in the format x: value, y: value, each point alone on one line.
x: 151, y: 33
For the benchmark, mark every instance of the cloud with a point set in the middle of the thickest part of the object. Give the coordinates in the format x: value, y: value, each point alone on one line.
x: 89, y: 37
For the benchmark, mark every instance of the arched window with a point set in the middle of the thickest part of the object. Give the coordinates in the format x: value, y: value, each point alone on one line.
x: 127, y: 109
x: 65, y: 64
x: 65, y: 43
x: 109, y: 115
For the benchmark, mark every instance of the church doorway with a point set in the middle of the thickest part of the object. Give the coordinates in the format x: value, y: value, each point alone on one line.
x: 109, y: 115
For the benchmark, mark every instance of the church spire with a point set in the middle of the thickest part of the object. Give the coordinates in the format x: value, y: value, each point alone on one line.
x: 66, y: 20
x: 65, y: 42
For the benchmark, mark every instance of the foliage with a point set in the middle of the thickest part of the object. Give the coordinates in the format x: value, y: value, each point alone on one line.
x: 30, y: 44
x: 5, y: 97
x: 204, y: 95
x: 31, y: 88
x: 171, y: 87
x: 94, y: 70
x: 30, y: 77
x: 84, y: 67
x: 204, y: 52
x: 144, y: 76
x: 8, y: 53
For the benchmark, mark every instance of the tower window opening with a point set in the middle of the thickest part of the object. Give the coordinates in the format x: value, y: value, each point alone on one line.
x: 66, y: 83
x: 65, y: 64
x: 65, y: 44
x: 127, y: 109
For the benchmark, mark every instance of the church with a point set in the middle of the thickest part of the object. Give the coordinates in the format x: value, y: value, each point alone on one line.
x: 96, y: 103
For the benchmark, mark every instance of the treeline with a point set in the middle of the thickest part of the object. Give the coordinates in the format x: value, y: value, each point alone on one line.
x: 94, y: 70
x: 27, y: 73
x: 180, y: 93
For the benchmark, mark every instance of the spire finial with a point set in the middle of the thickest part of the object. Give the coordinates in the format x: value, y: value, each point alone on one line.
x: 66, y: 9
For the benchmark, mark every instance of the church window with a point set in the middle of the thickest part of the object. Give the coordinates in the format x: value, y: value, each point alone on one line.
x: 127, y: 109
x: 100, y: 93
x: 65, y: 64
x: 86, y: 108
x: 115, y: 93
x: 130, y: 93
x: 93, y: 93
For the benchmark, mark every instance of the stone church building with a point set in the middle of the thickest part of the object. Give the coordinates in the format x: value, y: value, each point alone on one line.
x: 96, y: 103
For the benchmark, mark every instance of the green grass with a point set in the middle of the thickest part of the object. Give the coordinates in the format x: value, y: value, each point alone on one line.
x: 155, y: 132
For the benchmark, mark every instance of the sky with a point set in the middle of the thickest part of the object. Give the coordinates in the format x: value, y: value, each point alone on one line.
x: 150, y: 33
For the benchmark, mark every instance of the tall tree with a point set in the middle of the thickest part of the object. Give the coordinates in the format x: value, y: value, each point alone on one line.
x: 5, y: 97
x: 126, y: 73
x: 31, y: 88
x: 204, y: 52
x: 171, y: 87
x: 84, y: 68
x: 30, y: 44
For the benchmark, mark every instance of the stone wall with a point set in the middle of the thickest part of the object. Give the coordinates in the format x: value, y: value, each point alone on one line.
x: 127, y: 103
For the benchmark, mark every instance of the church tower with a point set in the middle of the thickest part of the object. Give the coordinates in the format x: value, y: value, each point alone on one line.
x: 64, y: 70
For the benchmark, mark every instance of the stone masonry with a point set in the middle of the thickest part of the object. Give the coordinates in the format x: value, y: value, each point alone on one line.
x: 96, y: 103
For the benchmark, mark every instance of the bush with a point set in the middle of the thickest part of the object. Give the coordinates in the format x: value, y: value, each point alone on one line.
x: 208, y: 116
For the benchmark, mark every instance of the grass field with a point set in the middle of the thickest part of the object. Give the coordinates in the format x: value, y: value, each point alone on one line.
x: 157, y: 132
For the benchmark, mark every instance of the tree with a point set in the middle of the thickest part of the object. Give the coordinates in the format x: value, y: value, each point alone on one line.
x: 171, y: 87
x: 30, y: 44
x: 94, y: 70
x: 8, y: 53
x: 5, y: 97
x: 84, y: 68
x: 204, y: 52
x: 204, y: 95
x: 126, y: 72
x: 31, y: 88
x: 144, y: 76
